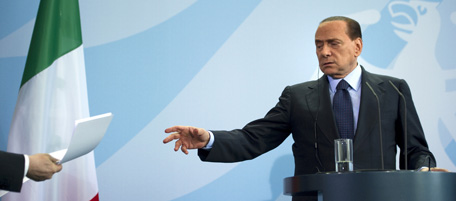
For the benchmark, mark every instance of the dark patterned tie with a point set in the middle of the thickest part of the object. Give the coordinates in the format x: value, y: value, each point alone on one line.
x: 343, y: 110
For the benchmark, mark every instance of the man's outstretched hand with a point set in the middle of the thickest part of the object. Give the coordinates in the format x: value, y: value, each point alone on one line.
x: 187, y: 137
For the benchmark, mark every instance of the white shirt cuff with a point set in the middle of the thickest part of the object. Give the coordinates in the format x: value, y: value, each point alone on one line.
x: 211, y: 141
x: 26, y: 164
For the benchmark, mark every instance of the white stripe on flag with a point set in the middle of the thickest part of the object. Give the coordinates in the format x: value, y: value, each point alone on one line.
x: 43, y: 121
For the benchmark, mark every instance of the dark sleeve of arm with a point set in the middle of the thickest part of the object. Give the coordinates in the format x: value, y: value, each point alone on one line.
x: 11, y: 171
x: 256, y: 138
x: 417, y: 147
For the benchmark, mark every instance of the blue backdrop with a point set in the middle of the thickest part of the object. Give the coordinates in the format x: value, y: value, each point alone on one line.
x: 219, y: 65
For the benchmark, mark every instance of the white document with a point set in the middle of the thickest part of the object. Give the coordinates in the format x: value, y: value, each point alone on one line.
x: 87, y: 134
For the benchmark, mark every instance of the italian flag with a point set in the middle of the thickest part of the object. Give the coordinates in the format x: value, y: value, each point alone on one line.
x: 53, y: 94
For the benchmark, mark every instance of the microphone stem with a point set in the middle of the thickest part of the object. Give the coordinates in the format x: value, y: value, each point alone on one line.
x: 379, y: 125
x: 405, y: 124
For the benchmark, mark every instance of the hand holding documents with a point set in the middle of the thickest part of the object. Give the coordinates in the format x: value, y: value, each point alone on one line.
x: 87, y: 134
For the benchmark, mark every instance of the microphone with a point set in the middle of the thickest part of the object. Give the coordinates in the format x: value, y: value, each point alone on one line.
x: 317, y: 157
x: 379, y: 125
x: 405, y: 121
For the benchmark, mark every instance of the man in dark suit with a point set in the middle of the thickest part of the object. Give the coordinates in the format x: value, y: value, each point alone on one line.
x: 306, y: 111
x: 13, y: 168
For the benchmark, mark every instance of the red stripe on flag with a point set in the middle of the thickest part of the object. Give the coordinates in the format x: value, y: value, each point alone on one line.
x: 95, y: 198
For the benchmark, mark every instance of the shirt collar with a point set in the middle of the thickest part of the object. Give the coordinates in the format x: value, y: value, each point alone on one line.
x: 353, y: 79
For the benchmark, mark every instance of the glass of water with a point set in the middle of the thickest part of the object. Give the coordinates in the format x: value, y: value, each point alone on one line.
x: 343, y: 151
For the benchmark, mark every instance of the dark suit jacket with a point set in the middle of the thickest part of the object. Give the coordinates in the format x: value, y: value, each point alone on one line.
x: 304, y: 105
x: 11, y: 171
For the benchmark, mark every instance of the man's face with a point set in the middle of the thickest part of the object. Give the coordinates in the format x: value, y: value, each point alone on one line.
x: 337, y: 53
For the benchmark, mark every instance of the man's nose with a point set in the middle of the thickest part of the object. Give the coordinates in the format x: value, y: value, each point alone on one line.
x: 325, y: 51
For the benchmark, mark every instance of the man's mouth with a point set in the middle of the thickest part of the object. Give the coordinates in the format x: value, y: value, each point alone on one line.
x: 328, y: 63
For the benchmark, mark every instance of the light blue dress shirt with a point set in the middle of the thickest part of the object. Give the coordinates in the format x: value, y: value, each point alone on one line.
x: 354, y: 80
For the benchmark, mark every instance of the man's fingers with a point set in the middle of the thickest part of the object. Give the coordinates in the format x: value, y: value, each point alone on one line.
x: 59, y: 168
x: 184, y: 149
x: 54, y: 160
x: 169, y: 130
x: 171, y: 137
x: 174, y: 129
x: 177, y: 145
x: 436, y: 169
x: 184, y: 135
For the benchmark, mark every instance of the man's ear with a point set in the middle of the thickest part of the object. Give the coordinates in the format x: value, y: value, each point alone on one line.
x: 358, y: 46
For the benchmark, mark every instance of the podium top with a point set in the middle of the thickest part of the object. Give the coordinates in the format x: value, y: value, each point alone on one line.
x: 402, y: 185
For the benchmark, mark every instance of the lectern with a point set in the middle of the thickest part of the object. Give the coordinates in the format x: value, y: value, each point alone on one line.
x: 375, y: 186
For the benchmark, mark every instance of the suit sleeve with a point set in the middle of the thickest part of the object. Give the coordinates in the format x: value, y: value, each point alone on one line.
x: 417, y: 147
x: 256, y: 138
x: 11, y: 171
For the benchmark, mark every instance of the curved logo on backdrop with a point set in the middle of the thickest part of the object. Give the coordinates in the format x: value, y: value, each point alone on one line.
x: 399, y: 20
x: 386, y: 44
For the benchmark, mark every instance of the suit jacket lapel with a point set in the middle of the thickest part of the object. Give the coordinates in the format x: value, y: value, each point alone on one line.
x: 319, y: 102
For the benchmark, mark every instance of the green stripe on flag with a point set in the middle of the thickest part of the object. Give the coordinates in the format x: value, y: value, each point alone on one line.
x: 57, y: 31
